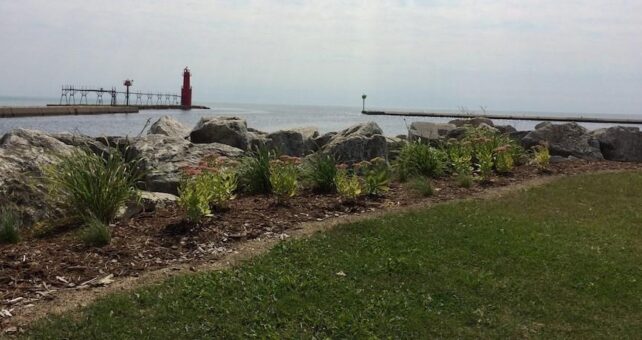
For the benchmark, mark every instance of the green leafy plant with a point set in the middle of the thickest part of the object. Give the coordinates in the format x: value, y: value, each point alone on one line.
x: 195, y: 194
x: 348, y: 185
x: 417, y: 159
x: 541, y: 157
x: 87, y: 185
x: 96, y: 233
x: 10, y: 224
x: 460, y: 154
x: 254, y: 171
x: 485, y: 162
x: 283, y: 178
x: 319, y: 172
x: 223, y: 184
x: 504, y: 162
x: 421, y: 186
x: 376, y: 176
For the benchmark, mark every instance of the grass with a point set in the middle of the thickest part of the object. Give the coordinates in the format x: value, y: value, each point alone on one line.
x: 559, y: 261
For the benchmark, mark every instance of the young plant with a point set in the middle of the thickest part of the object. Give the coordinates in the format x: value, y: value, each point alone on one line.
x: 96, y: 233
x: 254, y: 172
x: 376, y: 176
x: 541, y: 157
x: 421, y: 186
x: 485, y: 162
x: 504, y: 162
x: 87, y: 185
x: 195, y: 194
x: 417, y: 159
x: 460, y: 154
x: 465, y: 181
x: 223, y: 183
x: 283, y: 178
x: 9, y: 226
x: 348, y: 185
x: 319, y: 172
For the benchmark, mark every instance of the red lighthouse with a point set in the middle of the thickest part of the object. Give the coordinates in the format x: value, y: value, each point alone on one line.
x: 186, y: 92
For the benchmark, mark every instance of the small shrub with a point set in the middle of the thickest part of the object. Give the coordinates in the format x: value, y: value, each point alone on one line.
x: 484, y: 156
x: 348, y: 185
x: 283, y: 178
x: 87, y: 185
x: 504, y: 162
x: 319, y: 172
x: 254, y: 172
x: 465, y: 181
x: 376, y: 176
x: 541, y: 157
x: 96, y: 233
x: 9, y: 226
x: 421, y: 186
x: 223, y: 184
x: 195, y: 194
x: 460, y: 154
x: 417, y: 159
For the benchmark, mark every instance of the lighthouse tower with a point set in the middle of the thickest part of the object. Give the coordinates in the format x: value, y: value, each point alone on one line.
x: 186, y: 91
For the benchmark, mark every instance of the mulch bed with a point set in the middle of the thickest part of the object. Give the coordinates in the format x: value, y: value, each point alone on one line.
x: 36, y: 268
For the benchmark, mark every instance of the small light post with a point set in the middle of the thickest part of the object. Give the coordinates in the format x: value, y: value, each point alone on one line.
x: 127, y: 84
x: 363, y: 97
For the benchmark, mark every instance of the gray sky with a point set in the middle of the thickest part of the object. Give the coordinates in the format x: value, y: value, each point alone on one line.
x: 535, y: 55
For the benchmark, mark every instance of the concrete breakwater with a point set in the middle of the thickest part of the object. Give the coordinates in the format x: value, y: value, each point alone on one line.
x: 71, y: 110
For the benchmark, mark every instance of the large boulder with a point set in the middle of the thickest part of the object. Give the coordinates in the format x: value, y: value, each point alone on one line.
x: 168, y: 126
x: 395, y: 144
x: 357, y: 143
x: 428, y: 132
x: 322, y: 140
x: 164, y: 158
x: 569, y: 139
x: 23, y: 154
x: 619, y: 143
x: 230, y: 131
x: 295, y: 142
x: 474, y: 122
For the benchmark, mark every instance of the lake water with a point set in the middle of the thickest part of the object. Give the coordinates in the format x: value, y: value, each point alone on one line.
x: 262, y: 117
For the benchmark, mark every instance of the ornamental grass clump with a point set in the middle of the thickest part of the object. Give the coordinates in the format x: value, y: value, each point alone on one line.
x: 254, y: 171
x: 86, y: 185
x: 417, y: 159
x: 10, y: 223
x: 421, y: 186
x: 284, y: 173
x: 348, y: 185
x: 376, y: 176
x: 95, y: 233
x: 319, y: 172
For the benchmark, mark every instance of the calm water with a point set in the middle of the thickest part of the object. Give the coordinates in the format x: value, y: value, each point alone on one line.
x: 263, y: 117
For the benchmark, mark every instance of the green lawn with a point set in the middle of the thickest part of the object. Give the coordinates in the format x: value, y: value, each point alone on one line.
x: 563, y: 260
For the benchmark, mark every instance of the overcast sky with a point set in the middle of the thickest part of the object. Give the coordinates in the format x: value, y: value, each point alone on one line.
x: 531, y: 55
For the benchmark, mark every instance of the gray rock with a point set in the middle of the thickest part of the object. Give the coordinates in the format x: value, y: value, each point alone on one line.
x: 505, y: 129
x: 322, y: 140
x: 457, y: 133
x: 230, y: 131
x: 23, y: 154
x: 428, y: 132
x: 295, y: 142
x: 358, y: 143
x: 168, y: 126
x: 149, y: 201
x: 619, y: 143
x: 395, y: 144
x: 569, y: 139
x: 164, y: 158
x: 474, y: 122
